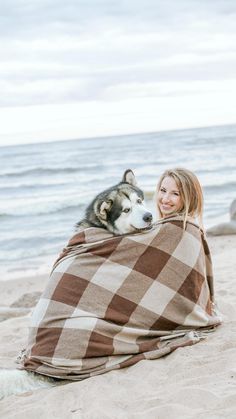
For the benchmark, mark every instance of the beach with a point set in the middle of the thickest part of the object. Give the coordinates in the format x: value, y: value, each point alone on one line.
x: 197, y: 381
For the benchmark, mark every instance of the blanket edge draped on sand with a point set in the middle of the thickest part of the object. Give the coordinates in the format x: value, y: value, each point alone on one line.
x: 112, y: 301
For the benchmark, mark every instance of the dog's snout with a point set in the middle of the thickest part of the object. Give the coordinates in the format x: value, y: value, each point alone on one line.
x: 147, y: 217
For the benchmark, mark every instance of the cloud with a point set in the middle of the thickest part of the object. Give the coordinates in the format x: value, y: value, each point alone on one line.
x: 55, y: 52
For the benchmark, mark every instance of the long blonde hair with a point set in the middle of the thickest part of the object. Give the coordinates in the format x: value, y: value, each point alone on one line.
x: 190, y: 193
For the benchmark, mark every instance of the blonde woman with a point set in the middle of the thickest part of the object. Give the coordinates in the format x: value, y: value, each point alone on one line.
x: 179, y: 193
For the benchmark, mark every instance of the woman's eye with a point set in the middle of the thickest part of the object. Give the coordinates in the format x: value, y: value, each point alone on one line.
x: 126, y: 210
x: 176, y: 194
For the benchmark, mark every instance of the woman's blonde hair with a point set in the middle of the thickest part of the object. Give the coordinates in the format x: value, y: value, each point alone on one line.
x: 190, y: 193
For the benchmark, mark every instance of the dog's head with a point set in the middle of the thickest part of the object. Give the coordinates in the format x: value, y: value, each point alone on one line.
x: 121, y: 209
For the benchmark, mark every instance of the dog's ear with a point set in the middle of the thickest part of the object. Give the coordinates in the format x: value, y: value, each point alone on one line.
x: 105, y: 208
x: 129, y: 177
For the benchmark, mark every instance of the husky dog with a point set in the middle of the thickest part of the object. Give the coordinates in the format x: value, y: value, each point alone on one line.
x: 119, y: 209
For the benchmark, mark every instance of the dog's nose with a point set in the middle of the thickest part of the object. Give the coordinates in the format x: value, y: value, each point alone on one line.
x: 147, y: 217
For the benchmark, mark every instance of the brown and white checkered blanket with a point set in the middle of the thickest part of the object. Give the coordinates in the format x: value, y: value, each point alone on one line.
x: 112, y: 301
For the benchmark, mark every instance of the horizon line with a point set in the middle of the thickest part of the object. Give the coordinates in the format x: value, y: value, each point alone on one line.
x: 118, y: 135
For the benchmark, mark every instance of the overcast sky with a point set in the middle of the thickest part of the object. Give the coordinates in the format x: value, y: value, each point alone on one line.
x: 82, y: 68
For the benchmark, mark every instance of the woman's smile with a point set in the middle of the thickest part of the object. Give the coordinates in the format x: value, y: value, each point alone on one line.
x: 166, y: 207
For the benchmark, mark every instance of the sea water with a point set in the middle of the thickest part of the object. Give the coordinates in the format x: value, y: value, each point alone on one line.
x: 45, y: 187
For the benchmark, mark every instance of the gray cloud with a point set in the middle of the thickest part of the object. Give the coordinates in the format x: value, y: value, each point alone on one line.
x: 60, y: 52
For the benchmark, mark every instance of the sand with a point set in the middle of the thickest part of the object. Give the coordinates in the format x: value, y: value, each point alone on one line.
x: 192, y: 382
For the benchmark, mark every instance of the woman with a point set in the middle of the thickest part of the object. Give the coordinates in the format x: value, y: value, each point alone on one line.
x: 179, y: 192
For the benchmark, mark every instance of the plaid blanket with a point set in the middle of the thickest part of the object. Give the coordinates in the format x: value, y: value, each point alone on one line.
x: 112, y: 301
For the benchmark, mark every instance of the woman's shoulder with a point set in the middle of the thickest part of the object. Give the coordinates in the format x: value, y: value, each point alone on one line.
x: 178, y: 225
x: 177, y: 219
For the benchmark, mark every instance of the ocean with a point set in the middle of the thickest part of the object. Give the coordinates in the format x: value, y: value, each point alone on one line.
x: 45, y: 187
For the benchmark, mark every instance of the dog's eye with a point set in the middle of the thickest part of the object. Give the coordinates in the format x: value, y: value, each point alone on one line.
x: 139, y: 201
x: 126, y: 210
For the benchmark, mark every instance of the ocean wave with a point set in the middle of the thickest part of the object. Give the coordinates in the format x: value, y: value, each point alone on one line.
x: 16, y: 250
x: 39, y: 171
x: 216, y: 169
x: 228, y: 186
x: 43, y: 211
x: 23, y: 187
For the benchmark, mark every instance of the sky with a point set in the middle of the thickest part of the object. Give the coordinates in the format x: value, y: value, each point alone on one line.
x: 87, y: 68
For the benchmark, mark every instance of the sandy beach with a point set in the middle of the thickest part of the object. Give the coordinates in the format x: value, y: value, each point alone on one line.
x: 192, y: 382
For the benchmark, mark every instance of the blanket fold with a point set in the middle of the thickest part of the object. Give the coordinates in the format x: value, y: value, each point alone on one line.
x: 112, y: 301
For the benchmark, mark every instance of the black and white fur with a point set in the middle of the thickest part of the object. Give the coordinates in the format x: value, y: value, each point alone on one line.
x: 119, y: 209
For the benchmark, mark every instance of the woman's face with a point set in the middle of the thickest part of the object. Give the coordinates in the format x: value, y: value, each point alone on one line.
x: 168, y: 197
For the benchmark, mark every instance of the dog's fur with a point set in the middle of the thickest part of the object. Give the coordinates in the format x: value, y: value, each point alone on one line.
x: 120, y: 210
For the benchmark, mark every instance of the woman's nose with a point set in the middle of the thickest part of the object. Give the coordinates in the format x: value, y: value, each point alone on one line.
x: 165, y: 198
